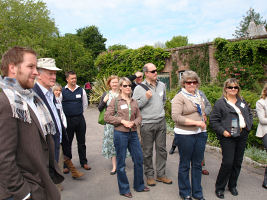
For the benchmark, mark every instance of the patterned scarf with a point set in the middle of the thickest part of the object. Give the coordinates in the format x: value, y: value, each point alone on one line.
x: 17, y: 95
x: 196, y: 99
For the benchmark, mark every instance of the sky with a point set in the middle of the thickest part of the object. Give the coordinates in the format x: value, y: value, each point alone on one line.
x: 136, y: 23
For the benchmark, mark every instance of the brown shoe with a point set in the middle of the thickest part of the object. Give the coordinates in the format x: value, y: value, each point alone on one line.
x: 151, y: 182
x: 86, y: 167
x: 128, y: 195
x: 74, y: 172
x: 164, y: 180
x: 205, y: 172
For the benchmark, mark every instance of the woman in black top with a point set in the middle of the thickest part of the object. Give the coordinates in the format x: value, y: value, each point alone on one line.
x: 231, y: 119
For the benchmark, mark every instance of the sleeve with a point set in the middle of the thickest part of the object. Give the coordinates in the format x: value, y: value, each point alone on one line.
x: 207, y: 104
x: 260, y: 108
x: 102, y: 104
x: 138, y: 118
x: 140, y: 96
x: 177, y: 109
x: 164, y: 97
x: 109, y: 116
x: 216, y: 116
x: 85, y: 100
x: 132, y: 77
x: 10, y: 175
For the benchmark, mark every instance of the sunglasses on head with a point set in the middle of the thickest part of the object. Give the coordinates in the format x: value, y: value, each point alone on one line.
x: 231, y: 87
x: 191, y: 82
x: 125, y: 86
x: 153, y: 71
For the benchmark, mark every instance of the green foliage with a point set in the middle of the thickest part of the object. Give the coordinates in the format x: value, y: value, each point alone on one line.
x: 241, y: 59
x: 25, y: 23
x: 256, y: 154
x: 70, y: 54
x: 117, y: 47
x: 98, y: 89
x: 241, y: 30
x: 174, y: 75
x: 126, y: 62
x: 177, y: 41
x: 198, y: 60
x: 92, y: 39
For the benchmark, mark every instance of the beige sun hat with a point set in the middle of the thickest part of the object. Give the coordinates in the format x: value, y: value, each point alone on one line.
x: 47, y: 63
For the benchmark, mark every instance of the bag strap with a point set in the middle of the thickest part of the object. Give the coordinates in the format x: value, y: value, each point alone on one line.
x: 116, y: 106
x: 144, y: 86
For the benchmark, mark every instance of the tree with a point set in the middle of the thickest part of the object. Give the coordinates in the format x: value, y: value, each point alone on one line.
x: 241, y: 30
x: 177, y: 41
x: 92, y: 39
x: 25, y: 23
x: 160, y: 45
x: 117, y: 47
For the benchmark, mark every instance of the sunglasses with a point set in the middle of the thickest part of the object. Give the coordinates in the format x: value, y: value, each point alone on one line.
x: 231, y: 87
x: 153, y: 71
x: 125, y: 86
x: 191, y: 82
x: 139, y: 77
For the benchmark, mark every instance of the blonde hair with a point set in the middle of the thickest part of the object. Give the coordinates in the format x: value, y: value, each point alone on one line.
x: 264, y: 91
x: 56, y: 87
x: 124, y: 79
x: 189, y: 75
x: 227, y: 83
x: 110, y: 79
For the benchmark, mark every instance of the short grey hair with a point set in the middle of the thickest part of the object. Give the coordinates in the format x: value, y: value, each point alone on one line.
x: 189, y: 75
x: 145, y: 68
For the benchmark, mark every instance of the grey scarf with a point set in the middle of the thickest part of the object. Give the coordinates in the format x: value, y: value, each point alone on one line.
x: 16, y: 96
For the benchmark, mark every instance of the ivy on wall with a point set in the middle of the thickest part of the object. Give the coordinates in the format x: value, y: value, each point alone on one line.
x: 126, y: 62
x: 174, y: 75
x: 243, y: 60
x: 198, y: 60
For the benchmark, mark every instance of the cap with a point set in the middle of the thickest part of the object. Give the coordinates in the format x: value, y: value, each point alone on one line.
x: 47, y: 63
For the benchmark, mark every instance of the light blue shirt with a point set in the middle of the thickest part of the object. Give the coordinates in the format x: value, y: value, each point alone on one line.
x: 49, y: 95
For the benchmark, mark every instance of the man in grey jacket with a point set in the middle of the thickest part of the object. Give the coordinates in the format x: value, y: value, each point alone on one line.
x: 151, y: 98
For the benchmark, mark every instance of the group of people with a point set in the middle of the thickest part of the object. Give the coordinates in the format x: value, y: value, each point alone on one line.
x: 39, y: 119
x: 141, y: 111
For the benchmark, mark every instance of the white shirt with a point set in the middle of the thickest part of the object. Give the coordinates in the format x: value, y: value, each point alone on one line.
x: 85, y: 100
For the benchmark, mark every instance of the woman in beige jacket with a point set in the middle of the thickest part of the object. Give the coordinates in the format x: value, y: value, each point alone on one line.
x: 190, y: 135
x: 261, y: 107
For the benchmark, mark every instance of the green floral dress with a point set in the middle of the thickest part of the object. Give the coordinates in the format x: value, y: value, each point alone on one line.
x: 108, y: 149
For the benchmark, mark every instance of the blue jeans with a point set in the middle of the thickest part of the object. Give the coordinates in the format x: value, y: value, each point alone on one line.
x: 191, y: 150
x: 122, y: 141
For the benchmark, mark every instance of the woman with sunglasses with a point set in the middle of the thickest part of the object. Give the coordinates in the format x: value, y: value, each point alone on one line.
x: 190, y: 135
x: 231, y: 120
x: 124, y: 114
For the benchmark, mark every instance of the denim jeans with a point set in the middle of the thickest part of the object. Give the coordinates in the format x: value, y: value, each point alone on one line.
x: 122, y: 141
x: 191, y: 150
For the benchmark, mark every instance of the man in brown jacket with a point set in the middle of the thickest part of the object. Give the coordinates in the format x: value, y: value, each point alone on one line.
x: 28, y: 169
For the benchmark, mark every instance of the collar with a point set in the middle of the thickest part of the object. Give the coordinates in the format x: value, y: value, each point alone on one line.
x: 121, y: 99
x: 44, y: 90
x: 148, y: 84
x: 70, y: 89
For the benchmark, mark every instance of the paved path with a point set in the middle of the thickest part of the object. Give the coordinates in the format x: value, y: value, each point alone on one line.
x: 97, y: 184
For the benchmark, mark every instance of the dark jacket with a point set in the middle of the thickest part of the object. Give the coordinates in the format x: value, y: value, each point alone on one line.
x: 222, y: 114
x: 66, y: 148
x: 102, y: 104
x: 27, y: 158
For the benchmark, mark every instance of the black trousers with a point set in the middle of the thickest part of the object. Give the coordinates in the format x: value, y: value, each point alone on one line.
x: 232, y: 157
x: 76, y: 124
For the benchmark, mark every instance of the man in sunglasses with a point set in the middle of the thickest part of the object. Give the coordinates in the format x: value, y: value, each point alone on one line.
x: 136, y: 79
x: 151, y: 98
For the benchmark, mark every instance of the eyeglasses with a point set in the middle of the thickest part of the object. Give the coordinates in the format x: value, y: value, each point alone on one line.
x: 191, y: 82
x: 231, y: 87
x: 139, y: 77
x: 125, y: 86
x: 153, y: 71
